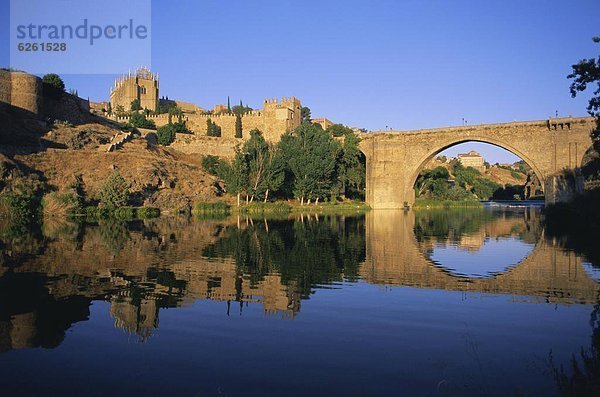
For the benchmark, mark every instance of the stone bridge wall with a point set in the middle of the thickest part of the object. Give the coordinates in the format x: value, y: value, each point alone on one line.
x: 395, y: 158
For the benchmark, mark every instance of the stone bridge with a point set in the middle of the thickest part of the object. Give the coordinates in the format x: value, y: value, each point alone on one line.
x: 395, y: 158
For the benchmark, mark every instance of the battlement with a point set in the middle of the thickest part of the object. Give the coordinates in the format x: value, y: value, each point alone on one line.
x: 274, y: 103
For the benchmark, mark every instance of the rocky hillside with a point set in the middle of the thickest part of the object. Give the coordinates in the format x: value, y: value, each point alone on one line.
x: 43, y: 158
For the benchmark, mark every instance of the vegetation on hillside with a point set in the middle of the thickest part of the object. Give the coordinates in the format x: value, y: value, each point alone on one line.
x: 460, y: 183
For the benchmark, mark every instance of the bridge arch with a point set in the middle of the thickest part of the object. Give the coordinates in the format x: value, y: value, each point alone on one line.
x: 482, y: 139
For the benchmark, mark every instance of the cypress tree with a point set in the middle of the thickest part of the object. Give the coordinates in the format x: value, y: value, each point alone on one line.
x: 238, y: 126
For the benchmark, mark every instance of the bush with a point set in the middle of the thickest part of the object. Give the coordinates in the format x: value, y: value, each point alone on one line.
x: 166, y: 134
x: 139, y: 120
x: 148, y: 212
x: 211, y: 163
x: 258, y: 208
x: 20, y: 206
x: 217, y: 207
x: 212, y: 129
x: 135, y: 104
x: 127, y: 127
x: 53, y: 85
x: 124, y: 213
x: 181, y: 128
x: 68, y: 203
x: 114, y: 193
x: 62, y: 123
x: 95, y: 213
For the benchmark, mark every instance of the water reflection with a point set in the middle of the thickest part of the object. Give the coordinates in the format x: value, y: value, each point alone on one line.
x: 477, y: 242
x: 140, y: 268
x: 315, y: 286
x: 401, y: 248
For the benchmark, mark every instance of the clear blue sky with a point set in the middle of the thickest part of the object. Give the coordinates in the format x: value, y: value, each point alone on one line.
x: 371, y: 64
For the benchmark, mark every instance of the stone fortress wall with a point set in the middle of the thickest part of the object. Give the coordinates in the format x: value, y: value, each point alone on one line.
x: 21, y: 90
x: 276, y: 118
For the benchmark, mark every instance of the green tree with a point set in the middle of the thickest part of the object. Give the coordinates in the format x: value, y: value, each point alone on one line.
x: 305, y: 113
x: 586, y: 72
x: 139, y: 120
x: 120, y: 111
x: 241, y: 109
x: 351, y: 168
x: 114, y: 192
x: 235, y: 175
x: 433, y: 183
x: 484, y: 189
x: 212, y: 129
x: 109, y: 109
x: 238, y: 126
x: 211, y: 164
x: 135, y: 105
x: 338, y: 130
x: 310, y: 154
x: 53, y: 85
x: 165, y: 135
x: 264, y: 164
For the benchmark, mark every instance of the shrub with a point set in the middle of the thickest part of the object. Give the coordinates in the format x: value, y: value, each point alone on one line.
x: 212, y: 129
x: 217, y: 207
x: 53, y: 85
x: 62, y: 203
x: 148, y: 212
x: 211, y: 163
x: 62, y: 123
x: 127, y: 127
x: 166, y: 134
x: 124, y: 213
x: 135, y: 104
x: 95, y: 213
x: 114, y: 193
x: 257, y: 208
x: 21, y: 206
x: 139, y: 120
x: 181, y: 128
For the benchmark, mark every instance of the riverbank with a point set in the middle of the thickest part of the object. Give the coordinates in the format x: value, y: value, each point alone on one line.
x: 431, y: 203
x: 279, y: 207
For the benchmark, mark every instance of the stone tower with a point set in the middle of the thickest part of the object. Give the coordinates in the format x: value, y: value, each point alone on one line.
x: 143, y: 86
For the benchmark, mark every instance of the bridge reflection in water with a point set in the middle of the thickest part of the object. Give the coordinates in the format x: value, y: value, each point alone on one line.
x: 394, y: 256
x: 48, y: 281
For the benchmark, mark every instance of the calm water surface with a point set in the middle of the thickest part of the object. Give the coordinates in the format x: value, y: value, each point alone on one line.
x: 431, y: 303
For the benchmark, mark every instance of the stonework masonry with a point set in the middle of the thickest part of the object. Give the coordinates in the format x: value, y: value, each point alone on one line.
x: 394, y: 159
x: 143, y: 86
x: 276, y: 118
x: 21, y: 90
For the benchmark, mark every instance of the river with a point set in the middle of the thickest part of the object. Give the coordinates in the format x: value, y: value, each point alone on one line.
x: 428, y: 303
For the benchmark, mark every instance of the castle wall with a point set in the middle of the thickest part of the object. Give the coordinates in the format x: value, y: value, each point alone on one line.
x: 21, y: 90
x: 206, y: 145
